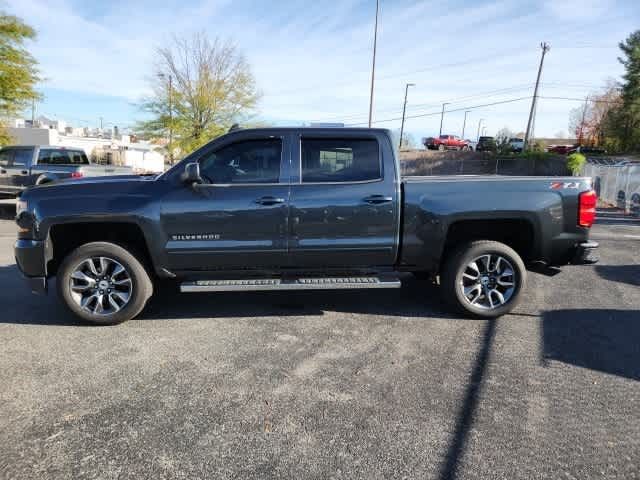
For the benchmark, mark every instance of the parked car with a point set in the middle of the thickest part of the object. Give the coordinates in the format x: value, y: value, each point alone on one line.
x: 486, y: 144
x: 240, y: 215
x: 445, y: 142
x: 516, y: 145
x: 560, y: 149
x: 24, y: 166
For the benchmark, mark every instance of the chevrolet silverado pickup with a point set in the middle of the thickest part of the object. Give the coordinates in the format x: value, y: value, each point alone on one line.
x: 297, y: 209
x: 24, y: 166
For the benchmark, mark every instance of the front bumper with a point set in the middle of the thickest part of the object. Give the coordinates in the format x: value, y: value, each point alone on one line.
x: 31, y: 260
x: 586, y: 254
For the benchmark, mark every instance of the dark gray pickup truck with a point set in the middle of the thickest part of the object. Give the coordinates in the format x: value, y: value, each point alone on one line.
x: 24, y: 166
x: 296, y: 209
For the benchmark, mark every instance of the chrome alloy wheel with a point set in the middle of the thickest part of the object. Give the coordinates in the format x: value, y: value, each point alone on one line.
x: 488, y: 281
x: 101, y: 285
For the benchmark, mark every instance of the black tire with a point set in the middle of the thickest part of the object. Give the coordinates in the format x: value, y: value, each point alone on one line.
x: 457, y: 264
x: 140, y: 291
x: 441, y: 148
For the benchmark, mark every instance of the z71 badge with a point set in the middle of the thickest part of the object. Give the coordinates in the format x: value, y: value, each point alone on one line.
x: 196, y: 236
x: 562, y: 185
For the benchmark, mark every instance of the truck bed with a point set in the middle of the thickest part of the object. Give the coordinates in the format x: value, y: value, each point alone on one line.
x: 540, y: 207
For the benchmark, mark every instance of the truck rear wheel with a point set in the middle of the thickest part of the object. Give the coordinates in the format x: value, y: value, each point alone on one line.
x: 484, y: 279
x: 103, y: 283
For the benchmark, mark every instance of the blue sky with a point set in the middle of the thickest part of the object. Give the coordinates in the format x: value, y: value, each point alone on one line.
x: 312, y: 59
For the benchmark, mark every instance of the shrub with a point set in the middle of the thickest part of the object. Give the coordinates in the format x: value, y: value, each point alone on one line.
x: 575, y: 162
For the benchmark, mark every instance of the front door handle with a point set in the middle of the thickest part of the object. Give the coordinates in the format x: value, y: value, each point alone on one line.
x: 377, y: 199
x: 267, y: 201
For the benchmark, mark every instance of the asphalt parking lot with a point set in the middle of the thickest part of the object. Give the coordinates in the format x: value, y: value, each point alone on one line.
x: 364, y: 384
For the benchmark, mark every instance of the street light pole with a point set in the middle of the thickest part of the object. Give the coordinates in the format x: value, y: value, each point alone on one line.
x: 373, y: 66
x: 442, y: 117
x: 404, y: 110
x: 464, y: 123
x: 479, y: 122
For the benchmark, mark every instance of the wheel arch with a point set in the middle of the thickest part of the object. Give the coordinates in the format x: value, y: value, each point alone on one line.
x: 63, y: 238
x: 517, y: 233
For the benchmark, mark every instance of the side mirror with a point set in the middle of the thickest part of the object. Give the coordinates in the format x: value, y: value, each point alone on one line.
x: 191, y: 174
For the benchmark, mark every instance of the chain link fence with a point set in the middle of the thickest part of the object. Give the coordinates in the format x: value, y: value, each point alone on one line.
x: 617, y: 182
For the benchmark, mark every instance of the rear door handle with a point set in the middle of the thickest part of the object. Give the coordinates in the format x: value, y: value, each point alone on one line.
x: 377, y: 199
x: 267, y: 201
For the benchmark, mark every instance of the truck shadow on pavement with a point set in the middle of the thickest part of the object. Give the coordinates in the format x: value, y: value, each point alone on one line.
x: 620, y: 273
x: 415, y: 299
x: 604, y: 340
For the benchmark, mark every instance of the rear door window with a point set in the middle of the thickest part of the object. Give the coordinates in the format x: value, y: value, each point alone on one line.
x: 54, y: 157
x: 340, y: 160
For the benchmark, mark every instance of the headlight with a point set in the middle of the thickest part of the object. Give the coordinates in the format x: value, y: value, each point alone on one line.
x: 21, y: 206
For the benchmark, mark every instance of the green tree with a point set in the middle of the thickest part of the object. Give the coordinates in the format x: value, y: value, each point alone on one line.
x: 629, y: 116
x: 575, y: 163
x: 18, y: 69
x: 200, y: 88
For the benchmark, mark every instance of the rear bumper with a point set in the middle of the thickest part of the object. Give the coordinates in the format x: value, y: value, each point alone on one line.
x: 586, y: 254
x: 31, y: 260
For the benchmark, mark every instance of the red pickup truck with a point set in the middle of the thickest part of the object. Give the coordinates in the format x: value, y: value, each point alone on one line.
x: 444, y: 142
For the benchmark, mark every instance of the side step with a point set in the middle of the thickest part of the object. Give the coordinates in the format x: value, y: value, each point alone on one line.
x: 311, y: 283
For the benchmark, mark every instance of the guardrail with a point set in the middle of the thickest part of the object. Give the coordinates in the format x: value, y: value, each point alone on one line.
x: 617, y: 184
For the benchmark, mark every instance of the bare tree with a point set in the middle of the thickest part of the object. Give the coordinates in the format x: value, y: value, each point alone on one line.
x: 200, y: 88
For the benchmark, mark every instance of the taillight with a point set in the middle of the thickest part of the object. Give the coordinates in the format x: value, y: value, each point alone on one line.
x: 76, y: 174
x: 587, y: 208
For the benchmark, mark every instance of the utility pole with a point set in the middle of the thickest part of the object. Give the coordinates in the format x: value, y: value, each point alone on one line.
x: 479, y: 122
x: 584, y: 113
x: 33, y: 112
x: 101, y: 124
x: 404, y: 110
x: 442, y: 117
x: 464, y: 124
x: 373, y: 66
x: 545, y: 48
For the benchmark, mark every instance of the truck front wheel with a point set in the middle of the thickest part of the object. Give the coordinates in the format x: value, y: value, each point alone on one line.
x: 104, y: 284
x: 483, y: 278
x: 441, y: 147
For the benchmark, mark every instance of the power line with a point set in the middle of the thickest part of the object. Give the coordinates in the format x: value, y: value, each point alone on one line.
x: 431, y: 114
x: 486, y: 94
